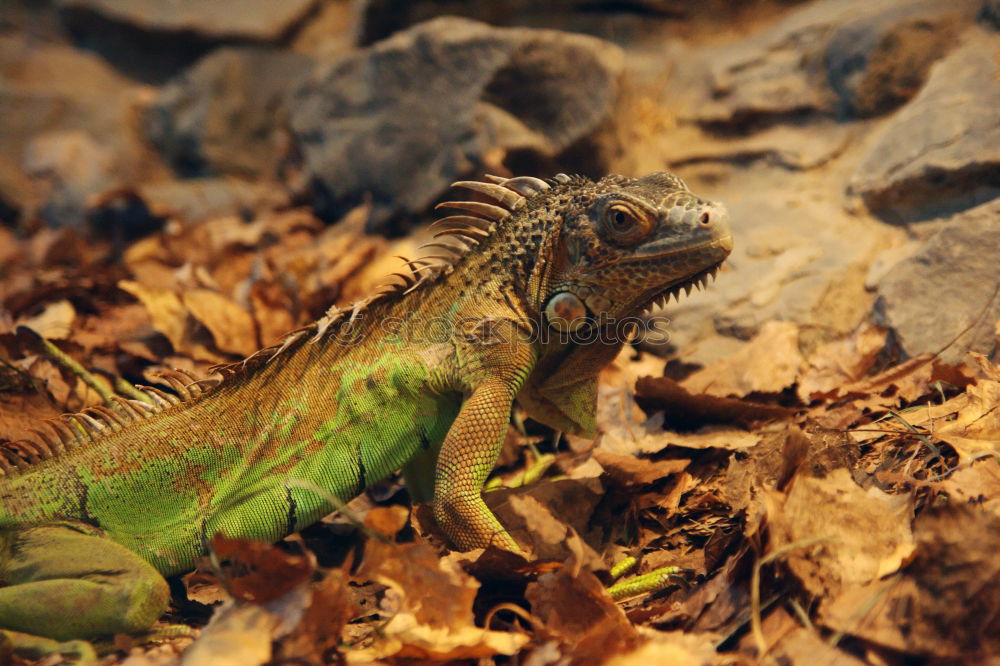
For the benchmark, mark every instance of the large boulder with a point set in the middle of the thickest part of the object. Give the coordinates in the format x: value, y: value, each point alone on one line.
x: 941, y: 152
x: 399, y: 121
x: 153, y: 41
x: 257, y: 20
x: 67, y: 130
x: 224, y: 115
x: 832, y: 57
x: 950, y: 285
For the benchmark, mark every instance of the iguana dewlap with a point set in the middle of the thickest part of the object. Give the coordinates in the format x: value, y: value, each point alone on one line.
x: 525, y: 297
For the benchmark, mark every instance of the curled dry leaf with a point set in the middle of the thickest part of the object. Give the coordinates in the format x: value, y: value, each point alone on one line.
x: 576, y: 611
x: 54, y: 322
x: 632, y: 471
x: 683, y: 410
x: 767, y: 364
x: 259, y: 571
x: 573, y: 500
x: 434, y: 619
x: 975, y: 430
x: 650, y: 437
x: 546, y: 537
x: 838, y: 533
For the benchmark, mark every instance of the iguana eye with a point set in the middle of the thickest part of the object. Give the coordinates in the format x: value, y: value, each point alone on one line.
x: 626, y: 225
x: 620, y: 220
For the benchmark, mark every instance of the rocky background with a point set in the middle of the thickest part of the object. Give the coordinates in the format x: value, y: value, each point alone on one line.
x: 181, y: 183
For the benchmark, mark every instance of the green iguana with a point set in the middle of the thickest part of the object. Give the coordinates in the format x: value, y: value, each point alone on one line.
x: 524, y: 298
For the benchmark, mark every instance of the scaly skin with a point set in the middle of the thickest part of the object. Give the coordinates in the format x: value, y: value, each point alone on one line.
x: 422, y: 380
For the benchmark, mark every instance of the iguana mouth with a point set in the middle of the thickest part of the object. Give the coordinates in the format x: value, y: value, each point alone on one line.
x: 696, y: 281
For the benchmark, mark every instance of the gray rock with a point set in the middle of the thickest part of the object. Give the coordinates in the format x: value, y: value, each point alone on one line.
x: 260, y: 20
x: 941, y: 152
x: 224, y: 115
x: 401, y: 120
x: 829, y: 57
x: 930, y: 298
x: 68, y: 166
x: 64, y: 112
x: 876, y: 63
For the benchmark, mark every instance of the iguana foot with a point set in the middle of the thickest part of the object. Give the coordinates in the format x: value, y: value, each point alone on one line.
x: 653, y: 581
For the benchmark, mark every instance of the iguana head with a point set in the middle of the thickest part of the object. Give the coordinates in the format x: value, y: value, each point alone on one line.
x: 610, y: 250
x: 631, y: 243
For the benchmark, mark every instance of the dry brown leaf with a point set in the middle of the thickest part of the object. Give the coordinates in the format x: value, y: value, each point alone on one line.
x: 976, y: 428
x: 318, y: 634
x: 977, y: 483
x: 231, y: 326
x: 272, y: 309
x: 685, y: 411
x: 240, y: 633
x: 387, y: 520
x: 172, y: 319
x: 616, y: 406
x: 901, y: 384
x: 841, y: 362
x: 669, y: 647
x: 650, y: 437
x: 538, y: 527
x: 989, y: 369
x: 54, y: 322
x: 113, y: 327
x: 802, y: 645
x: 434, y: 619
x: 863, y: 535
x: 572, y: 500
x: 767, y: 364
x: 577, y: 612
x: 945, y: 604
x: 51, y: 376
x: 165, y: 307
x: 632, y: 471
x: 259, y: 571
x: 20, y: 412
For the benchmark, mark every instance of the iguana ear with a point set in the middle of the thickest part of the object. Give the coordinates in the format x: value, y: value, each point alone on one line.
x: 568, y: 408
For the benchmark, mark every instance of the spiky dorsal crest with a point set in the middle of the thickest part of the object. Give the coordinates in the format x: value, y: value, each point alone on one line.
x: 455, y: 236
x: 70, y: 431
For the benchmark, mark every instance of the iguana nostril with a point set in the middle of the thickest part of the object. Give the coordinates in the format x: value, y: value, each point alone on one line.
x: 705, y: 218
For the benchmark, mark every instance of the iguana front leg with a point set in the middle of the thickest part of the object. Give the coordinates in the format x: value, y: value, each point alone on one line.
x: 467, y: 457
x: 65, y: 581
x: 504, y: 359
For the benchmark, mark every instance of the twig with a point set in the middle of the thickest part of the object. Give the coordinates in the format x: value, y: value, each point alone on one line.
x: 68, y: 362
